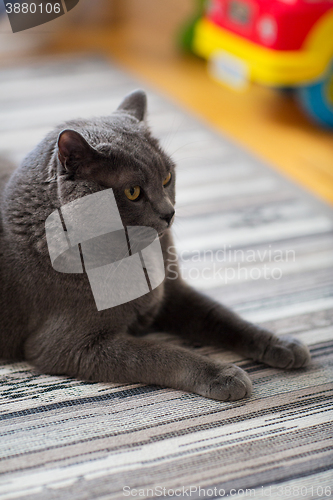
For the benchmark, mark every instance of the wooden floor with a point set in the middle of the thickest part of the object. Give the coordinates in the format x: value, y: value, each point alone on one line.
x: 266, y: 123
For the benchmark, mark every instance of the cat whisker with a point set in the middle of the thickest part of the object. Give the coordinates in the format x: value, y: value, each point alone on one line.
x: 166, y: 141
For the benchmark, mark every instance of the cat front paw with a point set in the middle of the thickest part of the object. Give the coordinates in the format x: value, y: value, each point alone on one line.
x: 231, y: 383
x: 286, y: 352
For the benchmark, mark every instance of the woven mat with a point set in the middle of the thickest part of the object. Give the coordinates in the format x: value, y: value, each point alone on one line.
x: 245, y: 236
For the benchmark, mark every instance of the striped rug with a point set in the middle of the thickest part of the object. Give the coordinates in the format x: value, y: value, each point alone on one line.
x: 245, y: 236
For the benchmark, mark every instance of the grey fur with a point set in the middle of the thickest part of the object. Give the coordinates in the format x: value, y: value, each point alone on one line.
x: 50, y: 319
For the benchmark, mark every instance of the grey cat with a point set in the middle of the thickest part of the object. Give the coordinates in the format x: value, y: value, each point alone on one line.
x: 50, y: 319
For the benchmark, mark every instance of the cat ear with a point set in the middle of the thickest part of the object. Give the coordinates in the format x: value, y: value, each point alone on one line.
x: 73, y: 150
x: 135, y: 104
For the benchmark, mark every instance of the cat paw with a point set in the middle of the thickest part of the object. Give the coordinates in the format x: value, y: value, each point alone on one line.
x: 231, y: 383
x: 286, y: 352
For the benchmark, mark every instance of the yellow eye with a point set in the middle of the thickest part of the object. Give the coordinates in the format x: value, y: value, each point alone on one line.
x: 167, y: 179
x: 133, y: 193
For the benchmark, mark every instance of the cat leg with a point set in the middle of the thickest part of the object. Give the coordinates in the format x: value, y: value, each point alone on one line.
x: 127, y: 359
x: 193, y: 316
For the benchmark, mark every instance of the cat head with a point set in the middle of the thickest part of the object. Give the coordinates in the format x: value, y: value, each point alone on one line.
x: 119, y: 152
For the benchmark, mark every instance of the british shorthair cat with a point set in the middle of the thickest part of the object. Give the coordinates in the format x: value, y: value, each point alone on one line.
x: 50, y: 318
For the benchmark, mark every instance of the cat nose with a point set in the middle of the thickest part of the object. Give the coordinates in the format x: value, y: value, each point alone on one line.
x: 168, y: 217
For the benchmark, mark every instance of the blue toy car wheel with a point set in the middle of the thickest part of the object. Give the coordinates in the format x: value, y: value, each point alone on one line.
x: 317, y: 99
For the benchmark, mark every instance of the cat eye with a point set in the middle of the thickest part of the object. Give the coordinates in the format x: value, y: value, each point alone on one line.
x: 133, y: 193
x: 167, y: 179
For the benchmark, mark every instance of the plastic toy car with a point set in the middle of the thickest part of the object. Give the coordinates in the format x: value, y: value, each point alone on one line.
x: 279, y: 43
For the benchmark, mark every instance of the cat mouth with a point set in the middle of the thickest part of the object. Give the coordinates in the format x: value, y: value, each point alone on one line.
x: 161, y: 233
